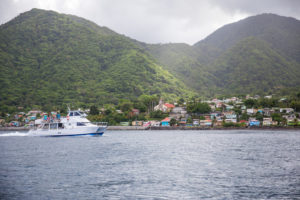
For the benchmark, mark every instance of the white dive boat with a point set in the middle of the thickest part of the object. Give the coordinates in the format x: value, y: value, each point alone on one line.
x: 74, y: 124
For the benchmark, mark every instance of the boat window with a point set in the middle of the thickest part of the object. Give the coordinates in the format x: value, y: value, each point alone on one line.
x: 71, y: 114
x: 53, y: 126
x: 76, y: 114
x: 80, y: 124
x: 60, y: 125
x: 46, y: 126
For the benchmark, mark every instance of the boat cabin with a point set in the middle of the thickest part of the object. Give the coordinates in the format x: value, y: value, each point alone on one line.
x: 76, y: 113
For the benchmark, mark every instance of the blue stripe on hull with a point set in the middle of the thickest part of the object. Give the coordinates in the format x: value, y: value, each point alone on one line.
x: 93, y: 134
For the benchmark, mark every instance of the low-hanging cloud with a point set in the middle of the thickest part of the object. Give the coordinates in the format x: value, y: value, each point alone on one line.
x: 157, y: 21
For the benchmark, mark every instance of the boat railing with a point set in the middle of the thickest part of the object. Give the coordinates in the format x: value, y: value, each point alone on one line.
x: 48, y: 126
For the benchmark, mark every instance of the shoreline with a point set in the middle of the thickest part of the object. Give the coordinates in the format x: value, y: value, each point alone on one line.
x: 224, y: 128
x: 120, y: 128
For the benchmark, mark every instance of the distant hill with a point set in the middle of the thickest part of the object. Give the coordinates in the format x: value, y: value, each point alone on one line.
x: 47, y: 58
x: 258, y: 54
x: 281, y: 33
x: 253, y: 66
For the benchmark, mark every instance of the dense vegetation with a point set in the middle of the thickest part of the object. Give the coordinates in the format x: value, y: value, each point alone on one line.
x: 259, y: 54
x: 252, y: 66
x: 49, y: 59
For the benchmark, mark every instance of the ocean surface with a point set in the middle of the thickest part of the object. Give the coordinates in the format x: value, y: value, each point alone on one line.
x: 231, y: 164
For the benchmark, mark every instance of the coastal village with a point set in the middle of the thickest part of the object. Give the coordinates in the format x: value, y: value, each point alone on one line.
x: 227, y: 112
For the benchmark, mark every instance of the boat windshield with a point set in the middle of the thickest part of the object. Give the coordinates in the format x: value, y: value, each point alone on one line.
x: 76, y: 114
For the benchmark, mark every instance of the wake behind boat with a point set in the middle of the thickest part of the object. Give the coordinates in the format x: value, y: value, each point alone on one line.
x: 75, y: 124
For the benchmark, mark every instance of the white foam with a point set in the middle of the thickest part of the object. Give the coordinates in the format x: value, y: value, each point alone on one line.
x: 10, y: 134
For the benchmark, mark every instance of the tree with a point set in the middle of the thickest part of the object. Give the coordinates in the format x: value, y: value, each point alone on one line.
x: 295, y: 122
x: 249, y: 103
x: 180, y: 101
x: 276, y: 117
x: 149, y: 101
x: 295, y: 105
x: 107, y: 111
x: 244, y: 116
x: 126, y: 106
x: 173, y: 122
x: 94, y: 110
x: 201, y: 108
x: 157, y: 114
x: 259, y: 116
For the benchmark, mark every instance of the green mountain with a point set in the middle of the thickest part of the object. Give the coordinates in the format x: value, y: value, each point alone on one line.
x: 182, y: 61
x: 49, y: 59
x: 252, y: 65
x: 281, y: 33
x: 255, y: 55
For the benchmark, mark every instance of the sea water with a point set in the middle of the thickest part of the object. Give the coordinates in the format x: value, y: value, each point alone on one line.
x: 227, y: 164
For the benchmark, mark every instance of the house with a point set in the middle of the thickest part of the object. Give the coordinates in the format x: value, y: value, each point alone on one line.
x: 253, y: 122
x: 251, y: 111
x: 137, y: 123
x: 134, y: 112
x: 155, y: 123
x: 165, y: 122
x: 244, y: 122
x: 230, y: 116
x: 219, y: 105
x: 267, y: 111
x: 229, y: 107
x: 267, y: 122
x: 286, y: 110
x: 214, y: 115
x: 161, y: 106
x: 230, y: 120
x: 169, y: 106
x: 178, y: 112
x: 206, y: 122
x: 196, y: 122
x: 124, y: 123
x: 182, y: 122
x: 212, y: 107
x: 219, y: 122
x: 268, y: 97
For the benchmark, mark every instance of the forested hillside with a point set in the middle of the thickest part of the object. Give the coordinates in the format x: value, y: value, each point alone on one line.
x: 252, y: 65
x: 259, y: 54
x: 49, y: 59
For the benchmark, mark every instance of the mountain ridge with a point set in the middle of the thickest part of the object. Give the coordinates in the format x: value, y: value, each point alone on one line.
x: 47, y: 58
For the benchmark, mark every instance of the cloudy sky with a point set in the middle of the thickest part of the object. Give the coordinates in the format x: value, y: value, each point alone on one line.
x: 157, y: 21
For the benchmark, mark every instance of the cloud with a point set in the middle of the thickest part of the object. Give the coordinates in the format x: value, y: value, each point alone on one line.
x: 157, y: 21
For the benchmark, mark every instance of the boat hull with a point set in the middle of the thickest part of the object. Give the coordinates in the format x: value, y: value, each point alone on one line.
x: 78, y: 131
